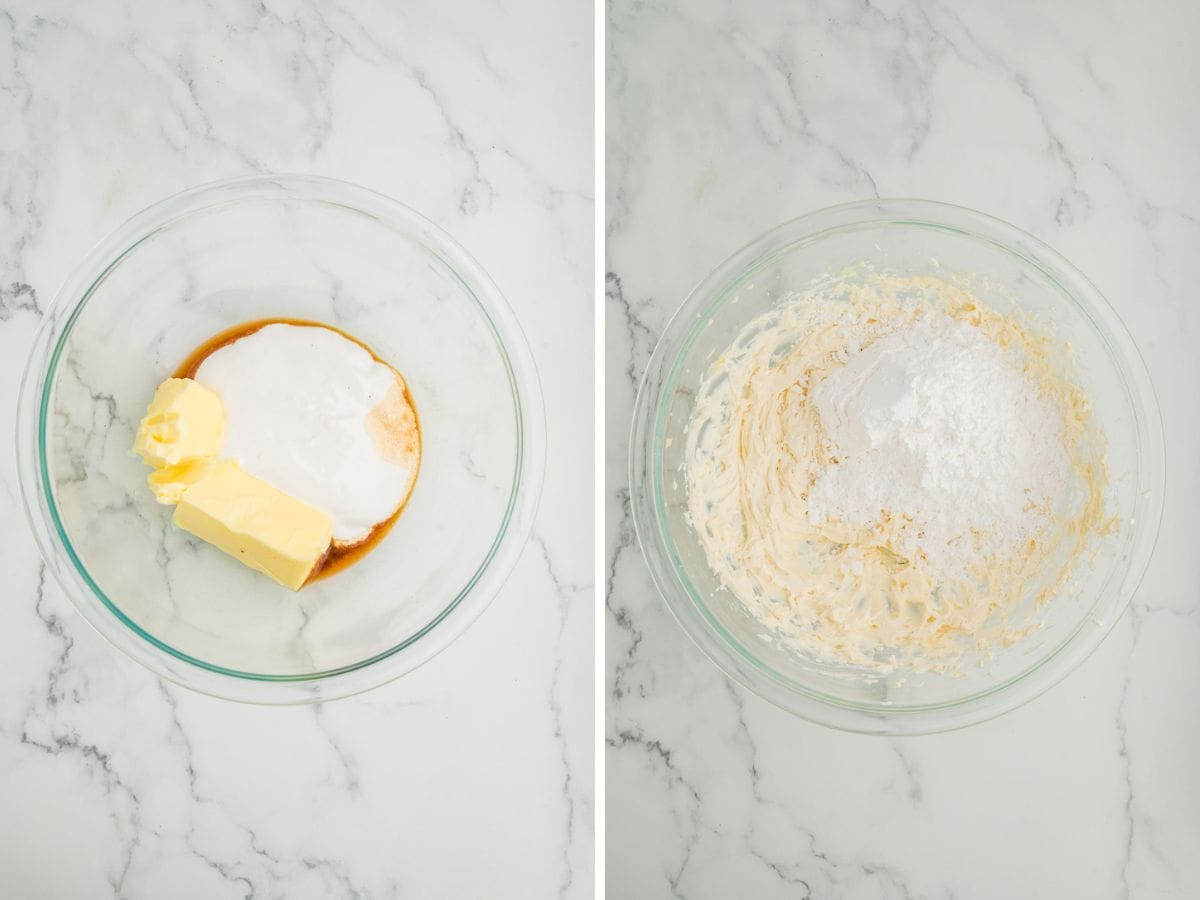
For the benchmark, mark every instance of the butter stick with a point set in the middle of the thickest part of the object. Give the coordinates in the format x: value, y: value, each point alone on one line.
x: 255, y: 523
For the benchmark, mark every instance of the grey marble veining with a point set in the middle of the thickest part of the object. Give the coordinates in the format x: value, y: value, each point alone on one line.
x: 1074, y: 121
x: 473, y: 775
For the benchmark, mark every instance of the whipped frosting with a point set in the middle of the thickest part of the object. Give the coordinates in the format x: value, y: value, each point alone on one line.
x: 883, y: 470
x: 314, y: 414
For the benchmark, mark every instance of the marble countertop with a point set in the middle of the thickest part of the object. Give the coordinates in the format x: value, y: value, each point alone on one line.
x: 472, y: 776
x: 1075, y: 121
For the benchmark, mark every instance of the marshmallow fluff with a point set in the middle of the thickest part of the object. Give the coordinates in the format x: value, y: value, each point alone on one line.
x: 314, y: 414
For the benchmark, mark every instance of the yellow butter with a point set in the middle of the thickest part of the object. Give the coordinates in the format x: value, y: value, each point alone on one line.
x: 255, y: 523
x: 169, y: 482
x: 184, y: 422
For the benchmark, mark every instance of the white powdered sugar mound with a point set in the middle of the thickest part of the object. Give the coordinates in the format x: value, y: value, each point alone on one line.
x: 938, y: 426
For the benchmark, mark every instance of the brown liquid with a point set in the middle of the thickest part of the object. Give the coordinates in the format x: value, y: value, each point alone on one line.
x: 338, y: 557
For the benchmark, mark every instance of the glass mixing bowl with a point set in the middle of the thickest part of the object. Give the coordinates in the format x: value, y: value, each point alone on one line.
x: 907, y: 237
x: 250, y: 248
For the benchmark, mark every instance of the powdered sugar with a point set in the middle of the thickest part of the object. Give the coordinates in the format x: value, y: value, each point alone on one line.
x: 938, y: 427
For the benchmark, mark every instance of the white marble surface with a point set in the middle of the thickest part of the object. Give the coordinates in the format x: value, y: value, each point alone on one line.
x: 471, y: 777
x: 1076, y: 121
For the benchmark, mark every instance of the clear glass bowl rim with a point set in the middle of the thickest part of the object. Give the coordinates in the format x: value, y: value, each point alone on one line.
x: 646, y: 487
x: 176, y: 665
